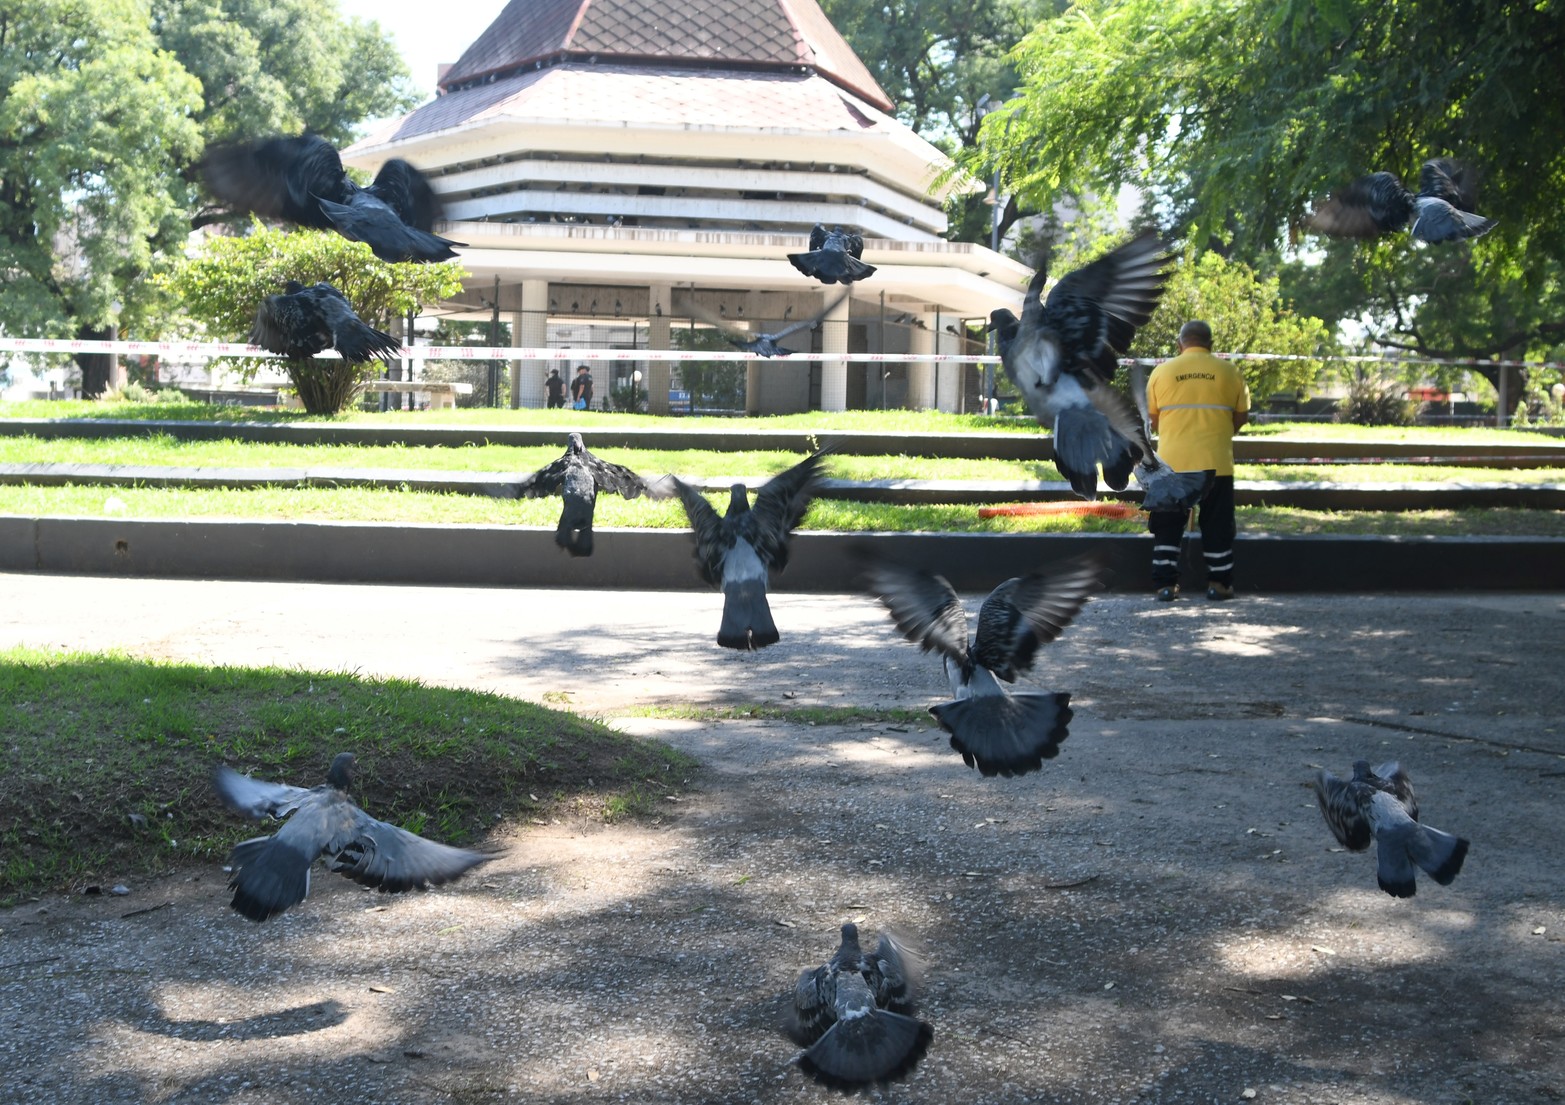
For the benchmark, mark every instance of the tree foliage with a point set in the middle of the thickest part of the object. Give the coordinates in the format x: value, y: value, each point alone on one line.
x: 223, y: 286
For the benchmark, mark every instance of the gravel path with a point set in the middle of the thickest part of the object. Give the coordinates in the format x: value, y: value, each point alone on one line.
x: 1158, y: 916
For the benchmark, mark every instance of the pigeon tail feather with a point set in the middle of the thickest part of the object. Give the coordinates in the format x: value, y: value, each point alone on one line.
x: 268, y: 878
x: 1006, y: 734
x: 1083, y: 439
x: 879, y: 1046
x: 747, y: 616
x: 1440, y: 854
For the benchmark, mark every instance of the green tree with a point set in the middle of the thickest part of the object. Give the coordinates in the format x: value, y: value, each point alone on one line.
x: 223, y: 286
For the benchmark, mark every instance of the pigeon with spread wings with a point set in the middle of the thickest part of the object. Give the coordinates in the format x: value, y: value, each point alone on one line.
x: 765, y: 345
x: 302, y: 322
x: 738, y: 551
x: 833, y: 257
x: 998, y: 731
x: 270, y: 874
x: 1062, y: 354
x: 1378, y: 204
x: 1378, y: 805
x: 301, y: 180
x: 577, y: 477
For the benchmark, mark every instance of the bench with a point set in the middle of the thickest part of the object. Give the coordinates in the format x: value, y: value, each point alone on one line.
x: 442, y: 393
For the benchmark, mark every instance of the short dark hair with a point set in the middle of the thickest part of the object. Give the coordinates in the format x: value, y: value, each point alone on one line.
x: 581, y: 368
x: 1196, y: 332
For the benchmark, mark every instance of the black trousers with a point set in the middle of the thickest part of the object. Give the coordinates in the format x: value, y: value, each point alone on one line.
x: 1215, y: 515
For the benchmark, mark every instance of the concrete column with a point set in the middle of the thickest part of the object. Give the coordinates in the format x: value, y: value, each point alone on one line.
x: 530, y: 330
x: 948, y: 377
x: 657, y: 376
x: 921, y: 374
x: 834, y: 374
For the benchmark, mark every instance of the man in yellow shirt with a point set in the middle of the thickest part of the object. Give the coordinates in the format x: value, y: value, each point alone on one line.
x: 1196, y: 403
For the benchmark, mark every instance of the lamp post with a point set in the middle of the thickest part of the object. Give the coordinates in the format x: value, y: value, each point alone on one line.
x: 635, y: 387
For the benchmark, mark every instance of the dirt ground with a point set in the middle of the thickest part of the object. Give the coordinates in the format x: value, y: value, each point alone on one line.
x: 1160, y: 915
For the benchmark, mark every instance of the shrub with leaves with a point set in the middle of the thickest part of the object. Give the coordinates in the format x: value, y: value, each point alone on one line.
x: 223, y: 286
x: 1375, y: 400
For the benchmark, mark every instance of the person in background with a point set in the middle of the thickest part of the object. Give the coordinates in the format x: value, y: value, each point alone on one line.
x: 581, y: 389
x: 1196, y: 403
x: 554, y: 388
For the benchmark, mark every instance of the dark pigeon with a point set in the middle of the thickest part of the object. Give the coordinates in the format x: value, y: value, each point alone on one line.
x: 301, y: 180
x: 1062, y: 354
x: 765, y: 345
x: 998, y: 731
x: 854, y: 1016
x: 577, y: 477
x: 737, y: 551
x: 833, y: 257
x: 272, y: 873
x: 305, y: 321
x: 1378, y: 805
x: 1378, y: 204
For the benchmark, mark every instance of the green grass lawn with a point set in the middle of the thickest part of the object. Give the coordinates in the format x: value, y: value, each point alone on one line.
x: 107, y: 759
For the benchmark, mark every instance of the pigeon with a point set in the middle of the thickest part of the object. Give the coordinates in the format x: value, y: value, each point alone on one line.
x: 577, y: 477
x: 1379, y: 805
x: 304, y: 321
x: 272, y: 873
x: 736, y: 552
x: 1062, y: 354
x: 765, y: 345
x: 301, y: 180
x: 854, y: 1016
x: 833, y: 257
x: 998, y: 731
x: 1440, y: 211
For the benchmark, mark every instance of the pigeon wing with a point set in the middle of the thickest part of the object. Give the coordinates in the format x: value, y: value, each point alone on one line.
x: 1370, y: 206
x: 1097, y: 308
x: 717, y: 322
x: 1339, y: 805
x: 1021, y: 614
x: 352, y: 337
x: 780, y: 506
x: 277, y: 178
x: 546, y: 481
x: 891, y: 973
x: 1450, y: 181
x: 924, y: 606
x: 813, y: 321
x: 394, y: 860
x: 615, y: 478
x: 1399, y: 786
x: 255, y: 798
x: 813, y: 1011
x: 407, y: 192
x: 817, y: 237
x: 289, y: 324
x: 712, y: 540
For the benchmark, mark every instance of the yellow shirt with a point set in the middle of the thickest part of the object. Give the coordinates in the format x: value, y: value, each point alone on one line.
x: 1194, y: 398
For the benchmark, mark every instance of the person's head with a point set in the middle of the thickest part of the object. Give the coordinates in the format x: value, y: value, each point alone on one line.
x: 581, y: 369
x: 1195, y: 334
x: 554, y: 372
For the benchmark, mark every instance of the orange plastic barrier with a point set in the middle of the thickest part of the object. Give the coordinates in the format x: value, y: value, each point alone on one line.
x: 1098, y: 507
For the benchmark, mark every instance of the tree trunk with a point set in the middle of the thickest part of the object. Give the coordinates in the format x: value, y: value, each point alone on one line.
x: 1509, y: 397
x: 101, y: 372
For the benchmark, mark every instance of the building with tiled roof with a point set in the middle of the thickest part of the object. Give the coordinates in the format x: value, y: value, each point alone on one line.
x: 612, y: 162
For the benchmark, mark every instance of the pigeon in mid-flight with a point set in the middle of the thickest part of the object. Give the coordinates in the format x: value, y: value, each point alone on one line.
x: 764, y: 345
x: 996, y: 730
x: 833, y: 257
x: 1378, y: 805
x: 577, y: 477
x: 272, y: 873
x: 1062, y: 354
x: 301, y: 180
x: 737, y: 551
x: 854, y: 1016
x: 305, y: 321
x: 1377, y: 204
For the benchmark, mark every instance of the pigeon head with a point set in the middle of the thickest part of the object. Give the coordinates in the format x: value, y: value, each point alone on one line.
x: 738, y: 498
x: 340, y: 775
x: 574, y: 444
x: 293, y: 287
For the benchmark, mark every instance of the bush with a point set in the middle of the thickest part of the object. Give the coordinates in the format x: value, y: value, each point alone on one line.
x: 1375, y: 401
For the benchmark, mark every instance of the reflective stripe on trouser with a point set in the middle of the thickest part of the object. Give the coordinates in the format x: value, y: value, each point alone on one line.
x: 1215, y: 515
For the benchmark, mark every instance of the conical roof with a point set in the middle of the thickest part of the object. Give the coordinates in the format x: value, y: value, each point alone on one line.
x: 767, y: 34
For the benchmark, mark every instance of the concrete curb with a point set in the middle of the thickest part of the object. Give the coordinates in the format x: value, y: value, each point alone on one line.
x: 636, y: 559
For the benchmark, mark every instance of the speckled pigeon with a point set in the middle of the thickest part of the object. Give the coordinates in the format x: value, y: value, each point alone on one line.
x: 833, y: 257
x: 301, y: 179
x: 1377, y: 204
x: 1379, y: 805
x: 1062, y: 354
x: 577, y: 477
x: 765, y: 345
x: 854, y: 1016
x: 998, y: 731
x: 304, y: 321
x: 272, y: 873
x: 737, y: 551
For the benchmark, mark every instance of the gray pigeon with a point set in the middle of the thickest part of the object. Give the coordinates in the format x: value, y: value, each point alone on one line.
x: 1378, y: 204
x: 1379, y: 805
x: 853, y: 1015
x: 305, y: 321
x: 577, y: 477
x: 833, y: 257
x: 272, y: 873
x: 998, y: 731
x: 1062, y: 354
x: 764, y: 345
x: 301, y: 180
x: 737, y: 551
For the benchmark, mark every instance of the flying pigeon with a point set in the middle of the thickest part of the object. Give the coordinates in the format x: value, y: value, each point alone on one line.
x: 854, y: 1016
x: 272, y: 873
x: 577, y: 477
x: 764, y: 345
x: 302, y: 322
x: 302, y: 181
x: 736, y: 552
x: 833, y: 257
x: 1377, y: 204
x: 998, y: 731
x: 1062, y: 355
x: 1379, y: 805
